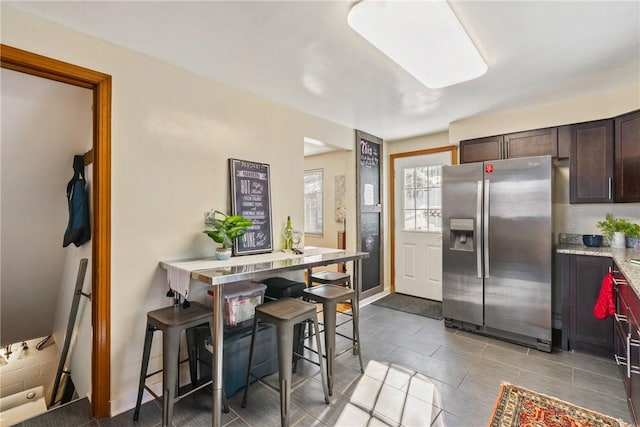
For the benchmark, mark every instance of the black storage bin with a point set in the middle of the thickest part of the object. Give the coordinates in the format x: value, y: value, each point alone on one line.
x: 236, y: 356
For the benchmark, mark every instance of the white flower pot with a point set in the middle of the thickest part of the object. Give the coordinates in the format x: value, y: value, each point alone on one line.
x: 618, y: 240
x: 223, y: 253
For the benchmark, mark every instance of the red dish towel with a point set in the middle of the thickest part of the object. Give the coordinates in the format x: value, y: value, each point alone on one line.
x: 605, y: 305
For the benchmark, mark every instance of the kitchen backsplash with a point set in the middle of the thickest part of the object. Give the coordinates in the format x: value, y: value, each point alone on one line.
x: 578, y: 219
x: 576, y: 239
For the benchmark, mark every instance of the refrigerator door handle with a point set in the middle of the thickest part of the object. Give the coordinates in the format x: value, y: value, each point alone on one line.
x: 478, y: 229
x: 485, y: 237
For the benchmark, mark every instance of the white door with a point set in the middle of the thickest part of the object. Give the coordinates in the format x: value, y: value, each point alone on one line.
x: 418, y: 225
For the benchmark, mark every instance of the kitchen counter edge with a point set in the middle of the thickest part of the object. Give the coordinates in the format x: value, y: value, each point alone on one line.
x: 621, y: 257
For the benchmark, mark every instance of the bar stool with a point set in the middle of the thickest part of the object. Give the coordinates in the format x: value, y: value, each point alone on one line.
x: 330, y: 296
x: 171, y: 321
x: 285, y: 313
x: 331, y: 278
x: 281, y: 287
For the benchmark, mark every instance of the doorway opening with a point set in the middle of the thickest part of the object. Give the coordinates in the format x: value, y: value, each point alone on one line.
x: 100, y: 83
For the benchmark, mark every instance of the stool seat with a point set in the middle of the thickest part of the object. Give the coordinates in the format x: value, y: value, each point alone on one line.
x: 280, y: 287
x: 331, y: 278
x: 175, y: 315
x: 287, y: 309
x: 322, y: 293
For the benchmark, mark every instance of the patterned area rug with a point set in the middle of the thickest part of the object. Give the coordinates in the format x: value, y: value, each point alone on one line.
x: 519, y: 407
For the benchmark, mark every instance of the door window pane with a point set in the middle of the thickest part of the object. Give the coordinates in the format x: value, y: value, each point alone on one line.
x: 408, y: 178
x: 409, y: 199
x: 422, y: 198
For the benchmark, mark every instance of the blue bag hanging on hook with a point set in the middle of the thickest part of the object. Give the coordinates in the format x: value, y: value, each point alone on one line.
x: 78, y: 230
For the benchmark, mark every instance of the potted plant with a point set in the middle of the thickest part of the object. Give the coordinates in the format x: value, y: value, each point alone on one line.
x: 225, y: 229
x: 615, y: 229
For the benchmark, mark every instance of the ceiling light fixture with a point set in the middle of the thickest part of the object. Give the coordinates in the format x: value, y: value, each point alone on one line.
x: 423, y: 37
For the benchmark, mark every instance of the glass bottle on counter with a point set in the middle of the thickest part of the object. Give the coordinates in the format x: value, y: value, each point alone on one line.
x: 287, y: 234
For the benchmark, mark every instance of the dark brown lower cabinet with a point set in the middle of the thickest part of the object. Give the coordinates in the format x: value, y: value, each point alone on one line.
x: 581, y: 277
x: 627, y: 342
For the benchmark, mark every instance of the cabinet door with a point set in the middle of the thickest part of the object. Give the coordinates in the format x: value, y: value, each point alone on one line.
x: 627, y: 157
x: 532, y: 143
x: 586, y: 333
x: 564, y: 141
x: 591, y: 162
x: 481, y: 149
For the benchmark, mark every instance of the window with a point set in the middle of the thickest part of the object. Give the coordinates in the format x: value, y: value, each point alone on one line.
x: 423, y: 199
x: 313, y: 201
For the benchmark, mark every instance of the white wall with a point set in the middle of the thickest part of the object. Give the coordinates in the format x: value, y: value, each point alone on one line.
x: 39, y: 368
x: 172, y: 133
x: 44, y: 123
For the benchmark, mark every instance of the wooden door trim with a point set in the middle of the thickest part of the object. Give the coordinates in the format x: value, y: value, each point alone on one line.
x: 42, y: 66
x: 392, y: 204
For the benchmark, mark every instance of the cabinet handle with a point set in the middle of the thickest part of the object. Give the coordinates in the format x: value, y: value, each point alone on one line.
x: 618, y: 282
x: 610, y: 182
x: 621, y: 317
x: 628, y: 355
x: 620, y: 361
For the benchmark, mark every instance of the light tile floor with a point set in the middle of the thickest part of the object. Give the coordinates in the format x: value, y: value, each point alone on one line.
x: 417, y: 370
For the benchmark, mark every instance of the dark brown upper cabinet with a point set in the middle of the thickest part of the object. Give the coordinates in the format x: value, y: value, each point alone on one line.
x: 591, y: 162
x: 564, y: 142
x: 627, y: 157
x: 531, y: 143
x: 481, y: 149
x: 520, y: 144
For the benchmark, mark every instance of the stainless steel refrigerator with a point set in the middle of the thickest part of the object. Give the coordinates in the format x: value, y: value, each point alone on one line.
x: 497, y: 249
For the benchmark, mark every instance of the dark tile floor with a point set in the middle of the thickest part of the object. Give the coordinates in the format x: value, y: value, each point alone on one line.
x: 457, y: 381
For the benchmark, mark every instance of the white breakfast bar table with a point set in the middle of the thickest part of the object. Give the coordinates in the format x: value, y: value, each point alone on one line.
x: 214, y: 273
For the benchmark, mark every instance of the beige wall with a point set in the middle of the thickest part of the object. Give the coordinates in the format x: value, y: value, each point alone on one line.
x: 335, y: 164
x: 172, y: 133
x: 573, y: 111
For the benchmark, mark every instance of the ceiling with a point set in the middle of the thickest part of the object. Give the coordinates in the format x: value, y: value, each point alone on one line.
x: 304, y: 54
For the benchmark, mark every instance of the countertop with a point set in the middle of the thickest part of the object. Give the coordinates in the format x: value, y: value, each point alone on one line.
x: 621, y: 257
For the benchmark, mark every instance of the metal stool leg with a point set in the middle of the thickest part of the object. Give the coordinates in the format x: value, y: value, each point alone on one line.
x: 329, y: 314
x: 192, y: 351
x: 355, y: 319
x: 146, y: 353
x: 250, y: 365
x: 285, y: 359
x: 319, y: 346
x: 170, y: 349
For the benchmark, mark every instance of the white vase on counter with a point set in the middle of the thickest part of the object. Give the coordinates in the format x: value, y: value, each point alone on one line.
x: 618, y: 240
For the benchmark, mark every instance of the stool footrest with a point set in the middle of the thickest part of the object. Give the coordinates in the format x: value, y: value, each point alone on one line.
x: 189, y: 389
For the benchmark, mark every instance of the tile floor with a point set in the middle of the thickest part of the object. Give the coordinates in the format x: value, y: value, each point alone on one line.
x: 457, y: 381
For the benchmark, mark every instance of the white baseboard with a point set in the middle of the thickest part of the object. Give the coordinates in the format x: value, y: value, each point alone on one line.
x: 128, y: 401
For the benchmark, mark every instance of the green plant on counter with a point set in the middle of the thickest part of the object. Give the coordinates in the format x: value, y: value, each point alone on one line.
x: 224, y: 229
x: 612, y: 225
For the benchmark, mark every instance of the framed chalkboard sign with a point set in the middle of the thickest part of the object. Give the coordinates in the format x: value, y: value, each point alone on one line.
x: 251, y: 198
x: 369, y: 220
